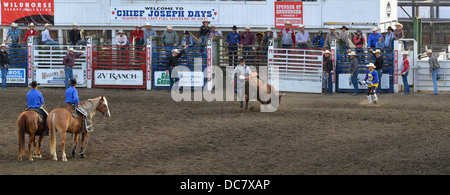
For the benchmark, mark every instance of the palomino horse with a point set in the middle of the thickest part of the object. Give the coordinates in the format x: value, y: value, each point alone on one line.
x: 28, y: 122
x: 61, y: 120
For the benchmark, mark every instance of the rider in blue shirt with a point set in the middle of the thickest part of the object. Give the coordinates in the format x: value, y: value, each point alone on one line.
x: 35, y: 101
x: 72, y: 94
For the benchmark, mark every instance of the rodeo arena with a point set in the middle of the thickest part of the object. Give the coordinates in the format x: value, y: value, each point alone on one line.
x: 215, y: 87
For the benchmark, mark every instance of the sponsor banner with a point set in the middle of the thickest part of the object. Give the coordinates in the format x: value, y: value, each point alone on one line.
x: 191, y: 79
x: 288, y: 11
x: 162, y: 79
x: 24, y: 12
x: 119, y: 77
x: 178, y: 14
x: 57, y: 76
x: 15, y: 75
x: 345, y: 81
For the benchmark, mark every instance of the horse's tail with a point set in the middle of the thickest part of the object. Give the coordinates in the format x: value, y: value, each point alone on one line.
x: 21, y: 129
x: 52, y: 128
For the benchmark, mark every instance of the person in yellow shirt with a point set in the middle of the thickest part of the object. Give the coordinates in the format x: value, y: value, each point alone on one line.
x: 371, y: 80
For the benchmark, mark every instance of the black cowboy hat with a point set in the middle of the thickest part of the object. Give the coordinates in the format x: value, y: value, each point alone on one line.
x: 186, y: 32
x: 390, y: 28
x: 34, y: 84
x: 242, y: 60
x: 344, y: 27
x: 73, y: 82
x: 234, y: 27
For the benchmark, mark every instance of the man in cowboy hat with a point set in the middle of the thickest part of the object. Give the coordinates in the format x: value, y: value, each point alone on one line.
x: 4, y: 62
x: 213, y: 33
x: 434, y: 69
x: 14, y: 33
x: 187, y: 41
x: 328, y: 69
x: 121, y: 39
x: 73, y: 101
x: 404, y: 67
x: 371, y: 80
x: 233, y: 40
x: 343, y: 36
x: 169, y: 38
x: 373, y: 38
x: 204, y: 30
x: 354, y: 72
x: 75, y: 36
x: 399, y: 34
x: 35, y: 101
x: 247, y: 40
x: 266, y: 38
x: 149, y: 32
x: 379, y: 66
x: 30, y: 32
x: 287, y: 35
x: 302, y: 37
x: 137, y: 35
x: 172, y: 62
x: 69, y: 62
x: 46, y: 38
x: 389, y: 39
x: 331, y: 36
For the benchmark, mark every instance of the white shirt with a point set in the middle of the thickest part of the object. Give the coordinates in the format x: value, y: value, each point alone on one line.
x: 121, y: 41
x: 46, y: 36
x: 240, y: 71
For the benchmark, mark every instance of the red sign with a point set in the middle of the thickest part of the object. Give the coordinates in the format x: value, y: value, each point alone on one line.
x: 89, y: 61
x: 288, y: 11
x: 148, y: 61
x: 209, y: 64
x: 27, y: 11
x: 395, y: 66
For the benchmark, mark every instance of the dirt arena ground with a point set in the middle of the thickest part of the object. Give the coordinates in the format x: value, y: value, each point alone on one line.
x: 149, y: 133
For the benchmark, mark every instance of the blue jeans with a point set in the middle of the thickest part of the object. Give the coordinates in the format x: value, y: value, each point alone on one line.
x: 68, y: 72
x: 355, y: 83
x: 380, y: 73
x: 247, y: 55
x: 202, y: 43
x: 49, y: 42
x: 434, y: 74
x: 405, y: 82
x: 286, y: 45
x: 329, y: 88
x: 4, y: 73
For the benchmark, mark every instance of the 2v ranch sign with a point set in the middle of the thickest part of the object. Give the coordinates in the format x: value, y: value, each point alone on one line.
x: 119, y: 77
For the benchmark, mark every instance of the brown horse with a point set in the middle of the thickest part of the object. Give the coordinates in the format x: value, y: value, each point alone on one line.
x: 28, y: 122
x: 61, y: 120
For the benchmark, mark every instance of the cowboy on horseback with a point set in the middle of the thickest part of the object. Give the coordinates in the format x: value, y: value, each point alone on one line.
x: 35, y: 101
x: 72, y: 101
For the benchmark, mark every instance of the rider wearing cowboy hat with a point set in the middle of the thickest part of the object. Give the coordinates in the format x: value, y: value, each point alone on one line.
x: 73, y: 100
x: 35, y: 100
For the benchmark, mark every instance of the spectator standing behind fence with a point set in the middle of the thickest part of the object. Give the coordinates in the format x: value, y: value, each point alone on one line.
x: 380, y: 43
x: 373, y: 38
x: 328, y: 62
x: 359, y: 40
x: 389, y: 39
x: 30, y: 32
x: 187, y: 41
x: 247, y: 40
x: 318, y: 40
x: 399, y: 34
x: 378, y: 66
x: 266, y: 38
x: 46, y: 38
x: 331, y: 36
x: 137, y: 36
x: 213, y: 33
x: 169, y: 38
x: 343, y: 36
x: 75, y: 35
x: 302, y: 37
x: 149, y: 32
x: 354, y: 72
x: 14, y: 33
x: 121, y: 39
x: 287, y: 35
x: 404, y: 67
x: 434, y: 69
x: 69, y: 62
x: 204, y: 31
x: 233, y: 40
x: 4, y: 62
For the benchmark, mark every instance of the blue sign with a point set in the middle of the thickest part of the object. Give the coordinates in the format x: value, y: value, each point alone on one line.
x: 15, y: 75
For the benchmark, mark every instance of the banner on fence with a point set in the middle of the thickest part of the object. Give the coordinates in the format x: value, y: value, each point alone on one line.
x: 119, y: 77
x: 15, y: 75
x: 24, y: 12
x: 57, y: 76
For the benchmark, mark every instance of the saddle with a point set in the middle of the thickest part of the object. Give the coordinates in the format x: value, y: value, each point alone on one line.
x: 86, y: 124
